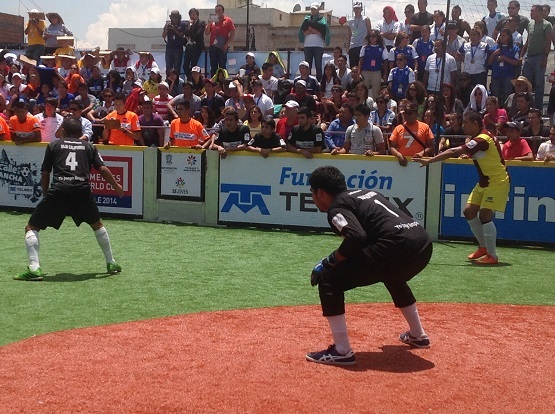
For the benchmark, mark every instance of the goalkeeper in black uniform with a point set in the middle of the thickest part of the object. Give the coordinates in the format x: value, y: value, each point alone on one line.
x: 380, y: 244
x: 69, y: 195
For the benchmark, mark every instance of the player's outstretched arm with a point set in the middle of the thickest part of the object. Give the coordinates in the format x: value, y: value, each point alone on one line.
x: 107, y: 175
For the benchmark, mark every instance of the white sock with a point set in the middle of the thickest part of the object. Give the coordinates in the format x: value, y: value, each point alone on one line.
x: 490, y: 236
x: 477, y: 229
x: 413, y: 319
x: 32, y: 245
x: 338, y: 326
x: 104, y: 242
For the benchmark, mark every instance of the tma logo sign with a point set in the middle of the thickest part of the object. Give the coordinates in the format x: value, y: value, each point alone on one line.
x: 246, y: 197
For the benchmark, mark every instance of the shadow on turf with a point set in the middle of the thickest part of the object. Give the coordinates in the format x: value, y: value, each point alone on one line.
x: 71, y: 277
x: 399, y: 359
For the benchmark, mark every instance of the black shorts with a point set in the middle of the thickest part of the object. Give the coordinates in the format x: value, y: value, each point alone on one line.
x: 56, y: 206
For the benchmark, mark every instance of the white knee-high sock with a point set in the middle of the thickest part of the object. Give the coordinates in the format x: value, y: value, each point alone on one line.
x: 490, y: 236
x: 338, y: 326
x: 104, y: 242
x: 32, y: 245
x: 477, y: 229
x: 413, y: 319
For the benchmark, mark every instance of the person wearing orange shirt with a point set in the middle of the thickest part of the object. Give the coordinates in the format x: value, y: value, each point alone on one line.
x: 4, y: 130
x: 127, y: 133
x: 186, y: 131
x: 412, y: 138
x: 24, y: 127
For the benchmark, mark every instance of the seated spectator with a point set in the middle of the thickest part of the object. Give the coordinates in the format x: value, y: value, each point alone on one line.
x: 5, y: 134
x: 464, y: 89
x: 263, y: 101
x: 45, y: 93
x: 97, y: 115
x: 331, y: 106
x: 305, y: 138
x: 342, y: 71
x: 114, y: 81
x: 289, y: 120
x: 454, y: 128
x: 516, y: 148
x: 95, y: 83
x: 335, y: 132
x: 235, y: 99
x: 65, y: 46
x: 416, y: 94
x: 232, y: 137
x: 303, y: 98
x: 105, y: 59
x: 24, y: 127
x: 437, y: 129
x: 197, y: 80
x: 311, y: 83
x: 362, y: 138
x: 521, y: 84
x: 49, y: 120
x: 254, y: 120
x: 145, y: 65
x: 535, y: 128
x: 186, y: 131
x: 478, y: 98
x: 207, y: 118
x: 546, y: 151
x: 250, y: 67
x: 328, y: 81
x: 269, y: 81
x: 88, y: 101
x: 151, y: 85
x: 76, y: 109
x: 424, y: 47
x: 161, y: 100
x: 356, y: 78
x: 87, y: 63
x: 279, y: 67
x: 152, y: 125
x: 175, y: 82
x: 523, y: 107
x: 130, y: 78
x: 495, y: 117
x: 267, y: 140
x: 411, y: 138
x: 127, y: 130
x: 382, y: 117
x: 64, y: 98
x: 135, y: 98
x: 212, y: 99
x: 188, y: 95
x: 362, y: 92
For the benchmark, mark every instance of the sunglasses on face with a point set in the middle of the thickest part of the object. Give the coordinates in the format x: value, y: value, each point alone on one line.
x: 399, y: 60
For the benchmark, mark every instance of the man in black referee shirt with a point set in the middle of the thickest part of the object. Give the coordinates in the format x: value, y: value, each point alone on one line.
x: 69, y: 195
x: 305, y: 138
x: 380, y: 244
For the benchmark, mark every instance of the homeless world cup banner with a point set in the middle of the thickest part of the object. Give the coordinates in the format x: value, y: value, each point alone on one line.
x: 20, y: 178
x: 275, y: 190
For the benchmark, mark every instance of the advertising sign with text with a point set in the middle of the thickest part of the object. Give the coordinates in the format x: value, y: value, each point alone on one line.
x: 181, y: 174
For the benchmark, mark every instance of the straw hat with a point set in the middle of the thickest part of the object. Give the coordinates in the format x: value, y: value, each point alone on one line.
x: 523, y: 79
x: 50, y: 15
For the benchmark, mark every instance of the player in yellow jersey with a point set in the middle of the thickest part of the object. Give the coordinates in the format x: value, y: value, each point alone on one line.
x: 492, y: 190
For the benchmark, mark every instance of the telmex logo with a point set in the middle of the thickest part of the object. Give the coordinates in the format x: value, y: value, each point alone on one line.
x: 246, y: 197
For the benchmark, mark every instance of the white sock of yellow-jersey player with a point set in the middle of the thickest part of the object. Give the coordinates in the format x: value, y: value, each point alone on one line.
x: 338, y: 326
x: 477, y: 229
x: 490, y: 236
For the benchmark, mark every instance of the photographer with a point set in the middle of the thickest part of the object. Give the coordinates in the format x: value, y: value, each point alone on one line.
x: 34, y: 30
x: 173, y: 35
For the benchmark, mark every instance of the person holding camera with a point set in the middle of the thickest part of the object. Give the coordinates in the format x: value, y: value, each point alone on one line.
x: 174, y: 31
x: 34, y: 30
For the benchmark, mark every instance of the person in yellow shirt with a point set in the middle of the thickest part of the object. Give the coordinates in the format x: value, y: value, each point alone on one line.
x: 186, y: 131
x: 34, y: 29
x: 127, y: 132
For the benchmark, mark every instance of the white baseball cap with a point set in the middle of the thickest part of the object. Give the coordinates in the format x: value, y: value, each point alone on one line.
x: 315, y: 5
x: 304, y: 63
x: 292, y: 104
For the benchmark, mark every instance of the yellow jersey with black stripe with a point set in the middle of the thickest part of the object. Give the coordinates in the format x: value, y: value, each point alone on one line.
x: 486, y: 154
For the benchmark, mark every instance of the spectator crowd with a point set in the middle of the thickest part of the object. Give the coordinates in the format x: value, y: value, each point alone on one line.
x: 402, y: 88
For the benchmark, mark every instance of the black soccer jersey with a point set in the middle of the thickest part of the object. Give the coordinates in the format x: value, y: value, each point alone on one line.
x: 313, y: 137
x: 229, y: 139
x: 274, y: 141
x: 71, y: 159
x: 367, y: 220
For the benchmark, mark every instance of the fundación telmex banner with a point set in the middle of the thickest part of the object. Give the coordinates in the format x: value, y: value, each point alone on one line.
x: 20, y: 175
x: 275, y: 190
x: 530, y: 210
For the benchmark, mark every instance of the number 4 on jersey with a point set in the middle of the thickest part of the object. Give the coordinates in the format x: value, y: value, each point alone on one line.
x: 71, y: 161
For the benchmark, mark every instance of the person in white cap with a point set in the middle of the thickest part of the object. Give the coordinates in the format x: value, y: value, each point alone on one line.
x: 161, y: 100
x: 359, y: 28
x: 34, y: 29
x: 250, y: 67
x: 311, y: 83
x: 289, y: 120
x: 314, y: 33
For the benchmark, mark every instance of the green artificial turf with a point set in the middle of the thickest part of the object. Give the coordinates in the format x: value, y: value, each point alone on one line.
x: 174, y: 269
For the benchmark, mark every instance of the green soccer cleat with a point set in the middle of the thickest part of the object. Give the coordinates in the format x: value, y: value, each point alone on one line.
x: 30, y: 275
x: 113, y: 268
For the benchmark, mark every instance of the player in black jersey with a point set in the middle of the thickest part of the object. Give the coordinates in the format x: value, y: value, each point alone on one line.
x: 380, y: 244
x: 69, y: 194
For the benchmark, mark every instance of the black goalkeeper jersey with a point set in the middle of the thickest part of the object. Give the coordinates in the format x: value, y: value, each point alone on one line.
x: 71, y: 159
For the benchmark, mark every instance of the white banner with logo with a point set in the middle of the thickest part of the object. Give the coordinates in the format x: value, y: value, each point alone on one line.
x: 181, y: 174
x: 275, y: 190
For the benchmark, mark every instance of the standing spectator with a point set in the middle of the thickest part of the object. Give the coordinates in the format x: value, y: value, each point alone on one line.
x: 454, y: 43
x: 474, y: 54
x: 55, y: 28
x: 513, y: 8
x: 343, y: 72
x: 194, y: 41
x: 493, y: 17
x: 152, y: 125
x: 422, y: 18
x: 314, y: 33
x: 516, y: 148
x: 504, y: 57
x: 70, y: 194
x: 362, y: 138
x: 546, y: 151
x: 405, y: 26
x: 173, y: 33
x: 424, y: 47
x: 402, y: 46
x: 49, y: 120
x: 535, y: 52
x: 186, y: 131
x: 388, y: 27
x: 359, y: 27
x: 373, y: 59
x: 24, y: 127
x: 412, y: 138
x: 490, y: 193
x: 400, y: 77
x: 222, y: 32
x: 462, y: 25
x: 481, y: 26
x: 127, y: 130
x: 335, y: 133
x: 305, y: 138
x: 436, y: 64
x: 34, y: 29
x: 437, y: 29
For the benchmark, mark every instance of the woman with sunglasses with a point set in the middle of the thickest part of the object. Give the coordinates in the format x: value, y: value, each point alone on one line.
x: 416, y: 94
x: 400, y: 77
x: 371, y: 62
